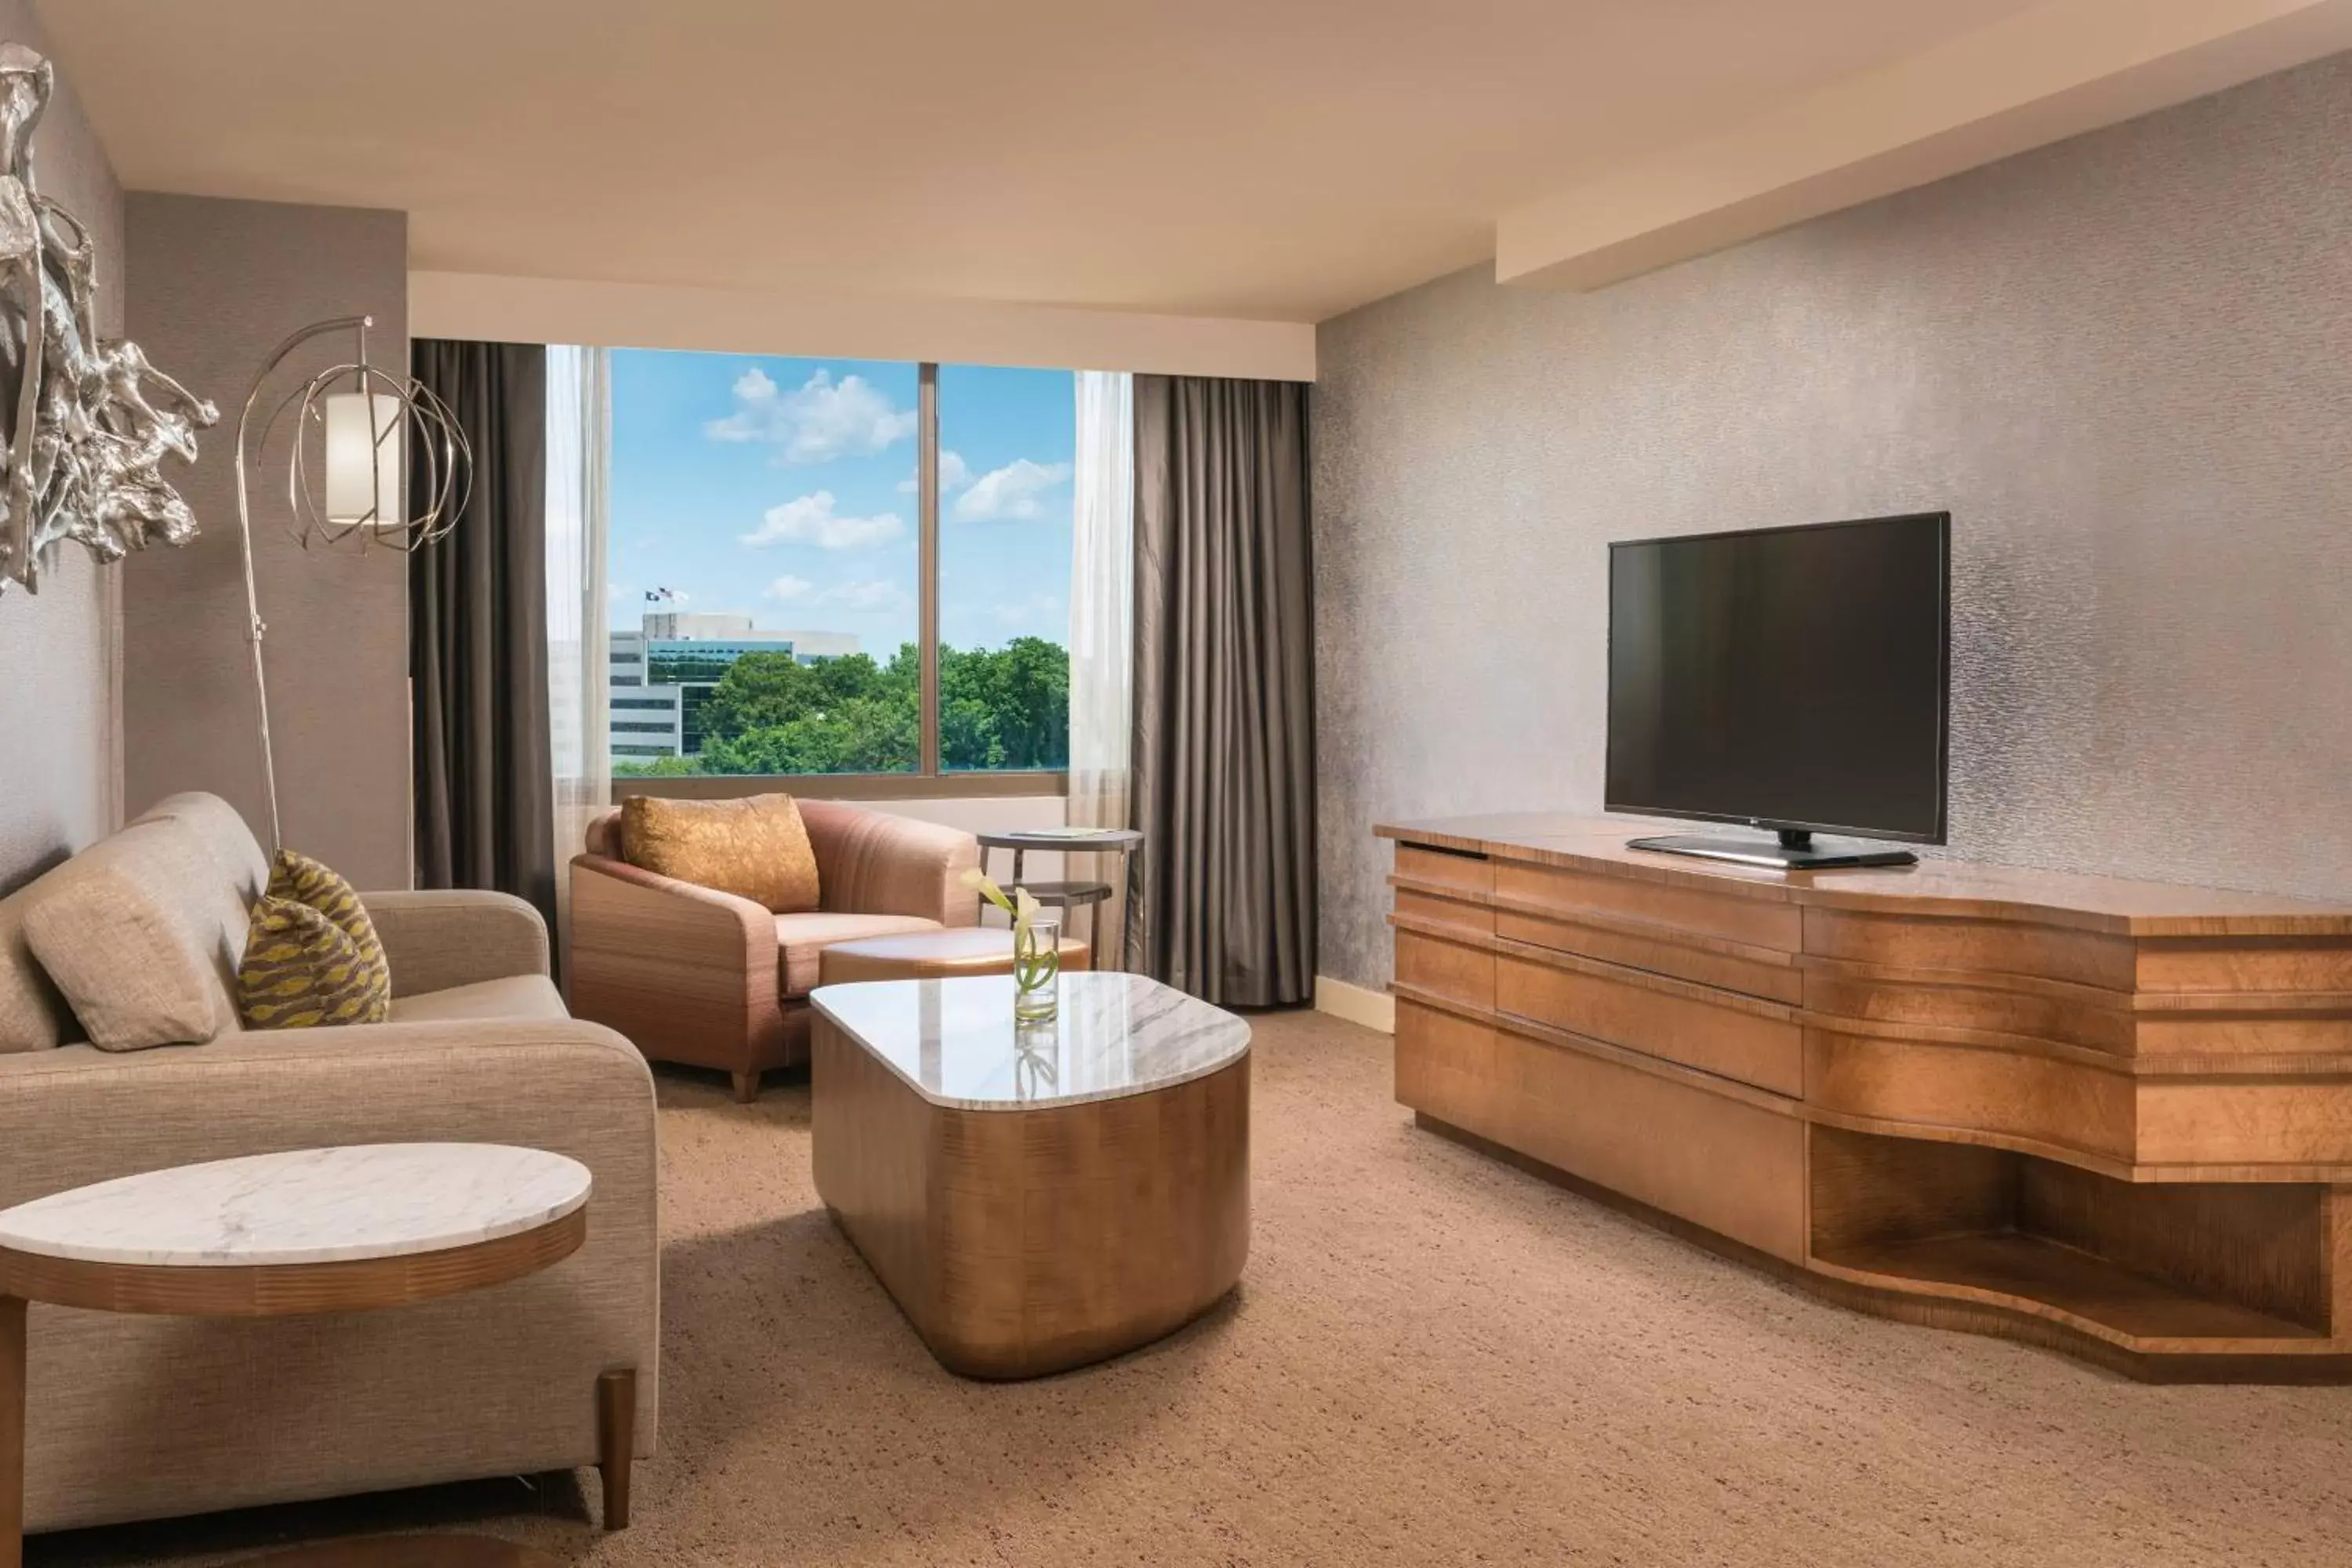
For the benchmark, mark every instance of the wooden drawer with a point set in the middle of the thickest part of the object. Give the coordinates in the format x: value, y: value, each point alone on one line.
x: 1971, y: 945
x: 1454, y: 914
x: 1473, y: 874
x: 1756, y: 920
x: 1712, y: 1159
x: 2072, y: 1103
x: 2036, y: 1009
x: 1755, y: 1042
x: 1450, y: 970
x: 2225, y: 1121
x: 1727, y: 967
x: 2242, y: 963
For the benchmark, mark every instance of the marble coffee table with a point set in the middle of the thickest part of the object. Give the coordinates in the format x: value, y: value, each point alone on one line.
x: 314, y: 1230
x: 1034, y: 1197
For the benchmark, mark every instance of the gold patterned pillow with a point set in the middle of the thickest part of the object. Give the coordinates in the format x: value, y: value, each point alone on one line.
x: 756, y: 846
x: 301, y: 970
x: 312, y: 882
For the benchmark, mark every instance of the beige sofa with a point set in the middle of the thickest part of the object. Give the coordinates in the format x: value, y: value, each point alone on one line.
x: 141, y: 1417
x: 696, y: 975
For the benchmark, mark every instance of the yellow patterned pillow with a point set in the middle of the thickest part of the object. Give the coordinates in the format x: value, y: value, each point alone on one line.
x: 312, y: 882
x: 301, y: 969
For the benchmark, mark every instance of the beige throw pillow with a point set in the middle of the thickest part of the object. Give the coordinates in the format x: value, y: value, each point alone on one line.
x: 141, y: 932
x: 756, y: 847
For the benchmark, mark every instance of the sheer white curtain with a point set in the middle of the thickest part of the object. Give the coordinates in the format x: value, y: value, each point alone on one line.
x: 579, y: 459
x: 1102, y: 626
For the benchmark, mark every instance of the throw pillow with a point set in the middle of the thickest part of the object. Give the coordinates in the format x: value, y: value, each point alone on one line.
x: 309, y: 881
x: 756, y: 847
x: 141, y: 933
x: 302, y: 969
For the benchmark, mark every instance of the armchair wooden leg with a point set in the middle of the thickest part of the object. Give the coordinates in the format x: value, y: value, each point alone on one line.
x: 617, y: 1436
x: 747, y: 1087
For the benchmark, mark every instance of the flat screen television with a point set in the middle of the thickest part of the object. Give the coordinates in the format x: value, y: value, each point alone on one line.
x: 1792, y: 678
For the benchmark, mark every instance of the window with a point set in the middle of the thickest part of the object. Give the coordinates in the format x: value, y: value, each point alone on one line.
x: 770, y: 539
x: 1008, y: 439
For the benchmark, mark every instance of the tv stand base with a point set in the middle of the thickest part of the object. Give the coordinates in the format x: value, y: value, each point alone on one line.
x: 1793, y: 852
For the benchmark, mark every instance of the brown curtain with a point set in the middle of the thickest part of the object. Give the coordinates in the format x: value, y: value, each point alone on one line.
x: 478, y: 636
x: 1223, y: 898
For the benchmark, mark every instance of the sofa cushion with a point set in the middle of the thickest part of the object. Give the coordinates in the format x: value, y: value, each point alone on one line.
x: 142, y: 932
x: 800, y: 939
x: 303, y: 971
x: 231, y: 843
x: 755, y: 847
x: 516, y: 996
x: 33, y: 1015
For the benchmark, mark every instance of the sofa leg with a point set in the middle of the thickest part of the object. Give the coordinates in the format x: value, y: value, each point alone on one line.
x: 11, y: 1432
x: 747, y: 1087
x: 616, y: 1438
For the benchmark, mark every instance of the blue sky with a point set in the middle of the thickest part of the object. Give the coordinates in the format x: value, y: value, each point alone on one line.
x: 785, y: 488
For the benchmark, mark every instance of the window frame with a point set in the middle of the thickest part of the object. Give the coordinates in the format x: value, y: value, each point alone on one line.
x: 929, y: 781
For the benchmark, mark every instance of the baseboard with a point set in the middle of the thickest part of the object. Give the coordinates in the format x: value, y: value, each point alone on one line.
x: 1356, y: 1004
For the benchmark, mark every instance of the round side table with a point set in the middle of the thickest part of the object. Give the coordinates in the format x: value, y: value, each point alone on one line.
x: 1118, y: 841
x: 314, y: 1230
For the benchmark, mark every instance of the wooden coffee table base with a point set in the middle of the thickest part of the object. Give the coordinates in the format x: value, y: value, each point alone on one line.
x: 1020, y: 1242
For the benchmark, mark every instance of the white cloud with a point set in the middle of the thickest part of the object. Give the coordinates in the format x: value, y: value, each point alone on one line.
x: 825, y: 419
x: 954, y: 474
x: 1011, y: 492
x: 871, y: 593
x: 811, y: 520
x: 862, y: 594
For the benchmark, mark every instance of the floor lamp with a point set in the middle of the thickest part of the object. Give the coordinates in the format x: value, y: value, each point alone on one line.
x: 359, y: 419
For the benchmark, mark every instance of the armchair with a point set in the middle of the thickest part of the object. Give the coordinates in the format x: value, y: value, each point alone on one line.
x: 703, y: 977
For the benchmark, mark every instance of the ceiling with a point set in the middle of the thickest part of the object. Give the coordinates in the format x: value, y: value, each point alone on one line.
x: 1282, y: 160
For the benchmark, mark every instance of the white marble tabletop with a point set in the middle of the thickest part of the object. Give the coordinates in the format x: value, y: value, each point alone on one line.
x: 307, y: 1205
x: 956, y: 1043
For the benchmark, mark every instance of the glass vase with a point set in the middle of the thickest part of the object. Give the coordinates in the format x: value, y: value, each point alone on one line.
x: 1037, y: 969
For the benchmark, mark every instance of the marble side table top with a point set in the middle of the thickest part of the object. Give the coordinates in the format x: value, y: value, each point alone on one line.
x: 956, y: 1043
x: 307, y: 1205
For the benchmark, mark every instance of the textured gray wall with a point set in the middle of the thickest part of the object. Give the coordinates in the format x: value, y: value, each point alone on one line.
x: 2124, y: 363
x: 216, y: 285
x: 60, y: 765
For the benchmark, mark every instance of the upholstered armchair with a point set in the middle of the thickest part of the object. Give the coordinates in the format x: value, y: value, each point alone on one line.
x: 696, y: 975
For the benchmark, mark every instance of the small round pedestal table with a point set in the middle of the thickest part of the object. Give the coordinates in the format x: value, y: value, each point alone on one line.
x: 314, y: 1230
x: 1066, y: 896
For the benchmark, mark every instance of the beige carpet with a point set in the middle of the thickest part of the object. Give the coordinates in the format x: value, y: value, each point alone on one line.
x: 1431, y: 1359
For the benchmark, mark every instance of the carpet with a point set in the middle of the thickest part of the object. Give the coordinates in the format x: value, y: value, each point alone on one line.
x: 1432, y: 1358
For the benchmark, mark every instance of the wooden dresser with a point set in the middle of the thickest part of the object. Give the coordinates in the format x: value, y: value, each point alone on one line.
x: 2108, y: 1116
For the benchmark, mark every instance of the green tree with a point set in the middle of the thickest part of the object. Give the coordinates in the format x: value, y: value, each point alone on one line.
x: 1005, y: 708
x: 863, y: 735
x: 998, y: 708
x: 761, y: 691
x: 653, y: 767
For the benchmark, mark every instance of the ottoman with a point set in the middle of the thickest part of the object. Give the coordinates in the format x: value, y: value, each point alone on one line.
x: 933, y: 955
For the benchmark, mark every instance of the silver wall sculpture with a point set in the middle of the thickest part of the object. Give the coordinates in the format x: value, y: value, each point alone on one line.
x: 84, y: 426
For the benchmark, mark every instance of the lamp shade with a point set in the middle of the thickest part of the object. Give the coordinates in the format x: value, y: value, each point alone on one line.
x: 365, y: 453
